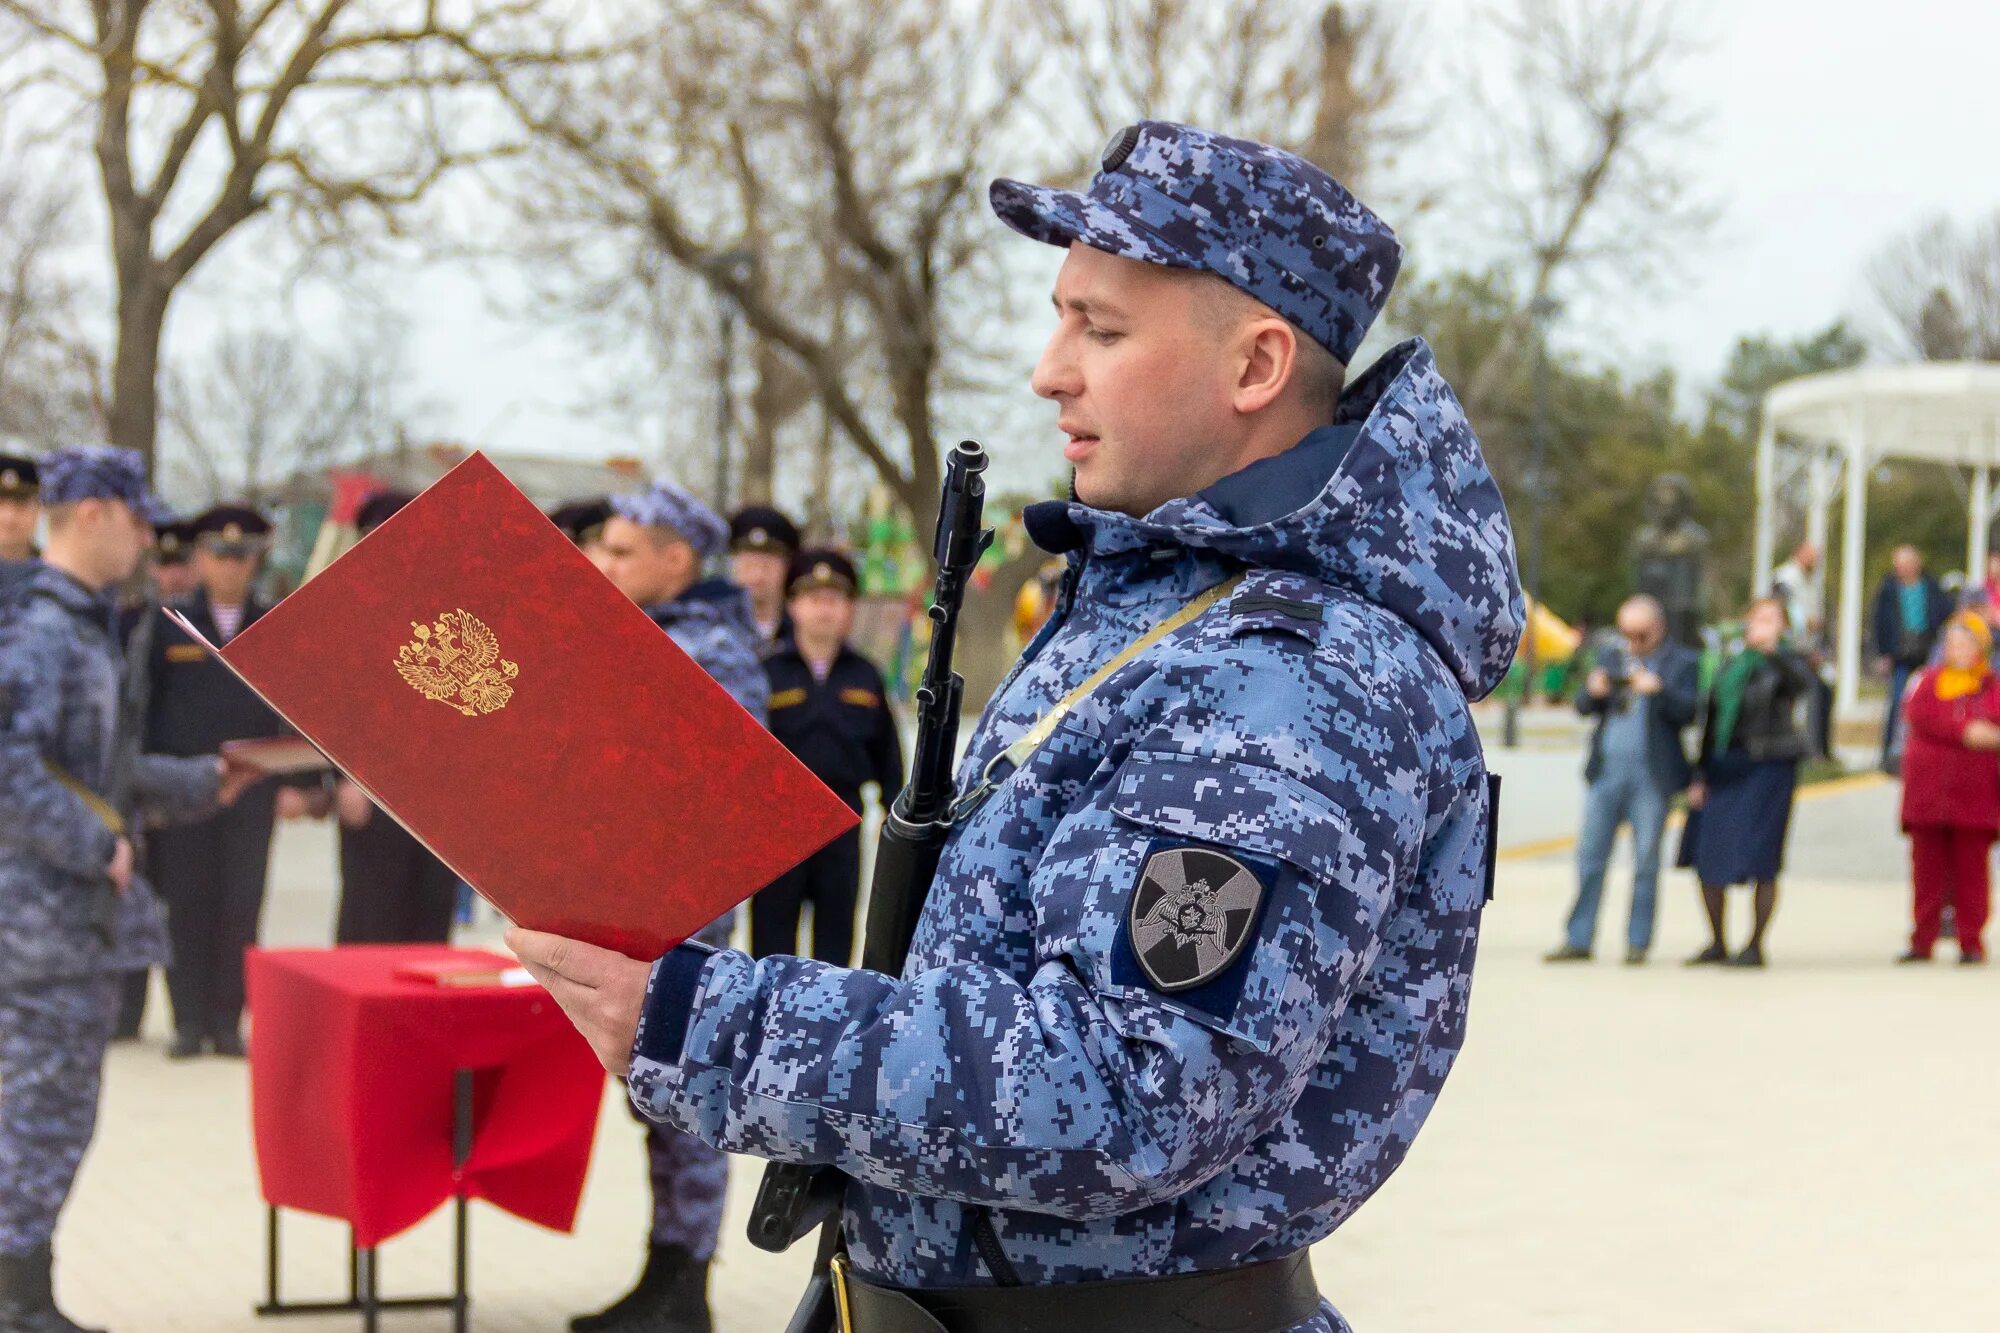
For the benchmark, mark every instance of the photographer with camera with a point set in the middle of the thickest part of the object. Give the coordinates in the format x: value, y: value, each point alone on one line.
x: 1643, y: 691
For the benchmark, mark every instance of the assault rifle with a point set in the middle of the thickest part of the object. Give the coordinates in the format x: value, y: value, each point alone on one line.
x: 794, y: 1199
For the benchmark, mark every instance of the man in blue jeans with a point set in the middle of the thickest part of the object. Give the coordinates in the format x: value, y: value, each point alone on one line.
x: 1644, y: 693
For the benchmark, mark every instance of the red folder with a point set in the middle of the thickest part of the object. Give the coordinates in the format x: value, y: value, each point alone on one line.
x: 508, y: 706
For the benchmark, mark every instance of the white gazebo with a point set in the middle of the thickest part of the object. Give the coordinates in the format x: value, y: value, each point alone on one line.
x: 1829, y: 430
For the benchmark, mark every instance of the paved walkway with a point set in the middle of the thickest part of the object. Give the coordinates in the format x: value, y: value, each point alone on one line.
x: 1620, y: 1149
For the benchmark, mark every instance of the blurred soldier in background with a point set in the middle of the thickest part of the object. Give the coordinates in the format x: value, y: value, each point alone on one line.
x: 212, y: 872
x: 582, y: 521
x: 170, y: 576
x: 171, y: 570
x: 20, y: 511
x: 762, y: 542
x: 828, y: 707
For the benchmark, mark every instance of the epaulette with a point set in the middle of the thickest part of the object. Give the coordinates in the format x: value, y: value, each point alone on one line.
x: 1277, y: 603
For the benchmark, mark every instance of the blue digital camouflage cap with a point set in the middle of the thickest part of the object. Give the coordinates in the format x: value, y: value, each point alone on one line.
x: 101, y: 472
x: 666, y: 505
x: 1267, y: 221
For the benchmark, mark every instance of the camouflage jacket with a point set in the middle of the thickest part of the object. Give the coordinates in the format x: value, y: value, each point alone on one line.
x: 711, y: 622
x: 61, y: 702
x: 1129, y: 1090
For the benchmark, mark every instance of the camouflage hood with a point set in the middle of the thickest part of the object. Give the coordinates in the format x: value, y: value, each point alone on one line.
x: 1392, y: 502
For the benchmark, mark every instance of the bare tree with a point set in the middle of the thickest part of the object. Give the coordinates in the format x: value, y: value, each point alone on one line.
x: 335, y: 115
x: 262, y: 405
x: 47, y: 370
x: 1939, y: 287
x: 1582, y: 157
x: 1325, y: 80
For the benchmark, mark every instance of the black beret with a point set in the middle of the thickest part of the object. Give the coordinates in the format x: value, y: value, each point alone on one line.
x: 582, y: 521
x: 762, y: 528
x: 19, y: 477
x: 821, y: 567
x: 379, y: 508
x: 231, y: 525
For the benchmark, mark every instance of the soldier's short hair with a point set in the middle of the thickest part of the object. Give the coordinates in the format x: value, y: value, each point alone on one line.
x: 1319, y: 374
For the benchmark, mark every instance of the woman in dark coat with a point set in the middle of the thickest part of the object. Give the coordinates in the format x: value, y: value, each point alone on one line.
x: 1746, y: 777
x: 1951, y: 788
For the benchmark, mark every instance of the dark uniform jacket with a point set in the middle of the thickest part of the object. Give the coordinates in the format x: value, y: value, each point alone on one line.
x: 841, y: 728
x: 195, y: 704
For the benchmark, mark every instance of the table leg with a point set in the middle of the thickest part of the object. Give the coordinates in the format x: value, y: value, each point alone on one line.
x: 364, y: 1266
x: 270, y: 1256
x: 461, y: 1152
x: 371, y: 1294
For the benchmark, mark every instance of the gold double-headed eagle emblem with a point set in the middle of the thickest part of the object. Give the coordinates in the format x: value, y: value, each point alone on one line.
x: 456, y: 660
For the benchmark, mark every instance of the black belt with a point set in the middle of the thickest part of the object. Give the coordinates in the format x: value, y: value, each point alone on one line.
x: 1268, y: 1297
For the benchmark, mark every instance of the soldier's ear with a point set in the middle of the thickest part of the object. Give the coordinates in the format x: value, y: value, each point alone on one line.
x: 1268, y: 353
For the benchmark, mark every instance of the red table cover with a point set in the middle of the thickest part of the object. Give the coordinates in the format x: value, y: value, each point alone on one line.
x: 351, y: 1084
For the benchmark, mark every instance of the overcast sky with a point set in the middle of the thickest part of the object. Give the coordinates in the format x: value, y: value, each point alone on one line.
x: 1831, y: 128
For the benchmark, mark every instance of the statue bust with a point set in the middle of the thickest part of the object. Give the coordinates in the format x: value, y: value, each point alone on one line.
x: 1669, y: 555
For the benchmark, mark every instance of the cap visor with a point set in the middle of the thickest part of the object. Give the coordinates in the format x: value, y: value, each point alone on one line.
x: 1039, y: 212
x: 1062, y: 217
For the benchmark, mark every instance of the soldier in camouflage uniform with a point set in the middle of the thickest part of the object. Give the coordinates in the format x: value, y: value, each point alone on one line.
x: 73, y: 916
x: 1193, y: 971
x: 653, y: 546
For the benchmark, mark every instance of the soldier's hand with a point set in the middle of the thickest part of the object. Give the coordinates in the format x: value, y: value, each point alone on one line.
x: 293, y: 804
x: 352, y: 804
x: 120, y: 869
x: 601, y: 991
x: 236, y: 778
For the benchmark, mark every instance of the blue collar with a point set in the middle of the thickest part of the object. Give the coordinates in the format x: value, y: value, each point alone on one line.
x: 1265, y: 491
x: 1271, y: 488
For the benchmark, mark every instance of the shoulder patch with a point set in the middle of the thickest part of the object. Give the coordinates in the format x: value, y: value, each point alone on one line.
x: 787, y: 699
x: 1191, y: 915
x: 185, y: 652
x: 861, y: 698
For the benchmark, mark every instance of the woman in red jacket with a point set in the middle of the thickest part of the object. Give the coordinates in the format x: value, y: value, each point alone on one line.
x: 1951, y: 788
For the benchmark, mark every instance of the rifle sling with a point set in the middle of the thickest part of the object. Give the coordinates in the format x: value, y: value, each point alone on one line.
x: 1031, y: 740
x: 110, y: 818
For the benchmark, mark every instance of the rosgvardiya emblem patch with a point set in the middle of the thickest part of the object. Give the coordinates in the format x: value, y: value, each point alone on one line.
x: 456, y: 660
x: 1191, y: 916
